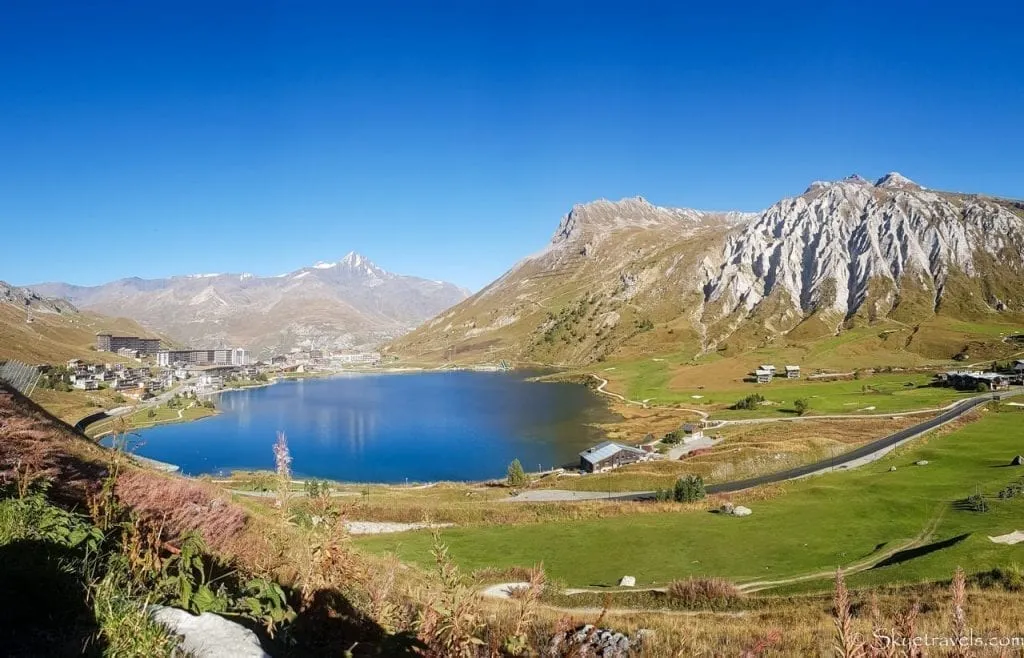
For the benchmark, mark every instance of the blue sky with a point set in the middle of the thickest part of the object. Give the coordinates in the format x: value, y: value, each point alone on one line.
x: 446, y: 139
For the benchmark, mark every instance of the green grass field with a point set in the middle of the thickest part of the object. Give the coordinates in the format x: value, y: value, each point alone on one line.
x: 887, y: 393
x: 815, y: 524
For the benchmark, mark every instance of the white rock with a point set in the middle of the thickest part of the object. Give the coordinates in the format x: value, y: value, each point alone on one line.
x: 208, y: 635
x: 740, y: 510
x: 922, y: 462
x: 627, y: 581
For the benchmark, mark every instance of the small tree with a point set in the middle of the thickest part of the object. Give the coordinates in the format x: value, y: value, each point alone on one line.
x: 802, y: 406
x: 688, y: 489
x: 517, y: 477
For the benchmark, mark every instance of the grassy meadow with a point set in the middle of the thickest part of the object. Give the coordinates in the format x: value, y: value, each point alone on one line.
x: 815, y: 524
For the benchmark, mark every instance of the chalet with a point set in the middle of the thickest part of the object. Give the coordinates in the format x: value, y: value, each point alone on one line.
x: 84, y: 384
x: 692, y: 431
x: 769, y: 367
x: 608, y: 455
x: 969, y: 380
x: 792, y: 372
x: 764, y: 376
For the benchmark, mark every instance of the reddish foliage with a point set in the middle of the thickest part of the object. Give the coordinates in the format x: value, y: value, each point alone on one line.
x: 181, y: 506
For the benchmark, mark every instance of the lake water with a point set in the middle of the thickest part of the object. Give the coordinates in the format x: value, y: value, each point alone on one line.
x: 390, y: 428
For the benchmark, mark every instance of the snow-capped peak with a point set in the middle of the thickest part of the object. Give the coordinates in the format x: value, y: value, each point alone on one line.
x: 895, y: 179
x: 320, y: 265
x: 354, y: 260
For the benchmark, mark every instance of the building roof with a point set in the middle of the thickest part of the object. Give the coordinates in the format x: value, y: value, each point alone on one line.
x: 606, y: 449
x: 792, y: 367
x: 761, y: 371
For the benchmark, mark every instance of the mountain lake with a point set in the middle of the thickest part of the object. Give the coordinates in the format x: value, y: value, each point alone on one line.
x: 415, y: 427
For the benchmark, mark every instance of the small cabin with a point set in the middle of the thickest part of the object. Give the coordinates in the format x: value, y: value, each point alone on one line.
x: 763, y: 376
x: 792, y: 372
x: 692, y: 431
x: 608, y: 455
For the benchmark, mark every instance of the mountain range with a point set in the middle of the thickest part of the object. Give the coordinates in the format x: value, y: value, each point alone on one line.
x: 348, y: 304
x: 630, y: 276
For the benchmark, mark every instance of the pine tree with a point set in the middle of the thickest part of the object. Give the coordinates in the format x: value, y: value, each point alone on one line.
x: 517, y: 477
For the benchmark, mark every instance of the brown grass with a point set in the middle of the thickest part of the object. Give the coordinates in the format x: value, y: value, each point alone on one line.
x: 704, y: 592
x: 181, y: 506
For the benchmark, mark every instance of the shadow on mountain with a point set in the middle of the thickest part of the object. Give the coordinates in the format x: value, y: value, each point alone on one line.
x: 43, y: 607
x: 913, y: 553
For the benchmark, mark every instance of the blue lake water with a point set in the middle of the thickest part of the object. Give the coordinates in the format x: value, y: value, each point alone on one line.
x: 390, y: 428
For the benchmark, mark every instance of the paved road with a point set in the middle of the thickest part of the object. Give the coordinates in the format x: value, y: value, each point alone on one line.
x: 858, y: 454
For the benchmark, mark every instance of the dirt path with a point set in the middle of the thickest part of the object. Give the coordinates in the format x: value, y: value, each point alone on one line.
x: 503, y: 591
x: 862, y: 565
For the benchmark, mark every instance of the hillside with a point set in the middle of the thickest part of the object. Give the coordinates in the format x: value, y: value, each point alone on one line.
x: 349, y: 304
x: 37, y: 329
x: 937, y: 274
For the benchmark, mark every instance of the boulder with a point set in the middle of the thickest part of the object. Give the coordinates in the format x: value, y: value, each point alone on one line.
x: 922, y: 462
x: 727, y: 508
x: 740, y: 510
x: 1017, y: 461
x: 627, y: 581
x: 892, y: 469
x: 590, y: 641
x: 208, y: 635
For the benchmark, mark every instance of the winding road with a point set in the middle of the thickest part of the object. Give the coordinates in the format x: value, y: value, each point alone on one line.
x: 864, y: 453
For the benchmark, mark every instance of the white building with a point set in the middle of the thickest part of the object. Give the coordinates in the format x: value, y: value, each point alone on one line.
x: 239, y: 356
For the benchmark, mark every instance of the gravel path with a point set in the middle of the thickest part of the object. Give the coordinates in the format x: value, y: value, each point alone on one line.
x: 383, y: 527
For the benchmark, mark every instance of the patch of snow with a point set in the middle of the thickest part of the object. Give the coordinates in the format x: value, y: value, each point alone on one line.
x: 301, y: 274
x: 203, y: 276
x: 320, y: 265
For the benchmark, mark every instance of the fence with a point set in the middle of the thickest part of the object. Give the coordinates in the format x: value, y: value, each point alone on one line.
x: 21, y: 376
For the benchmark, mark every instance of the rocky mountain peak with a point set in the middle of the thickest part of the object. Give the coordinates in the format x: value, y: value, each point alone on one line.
x: 896, y: 180
x: 29, y: 299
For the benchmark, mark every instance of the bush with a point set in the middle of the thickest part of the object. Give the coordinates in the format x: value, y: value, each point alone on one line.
x: 688, y: 489
x: 671, y: 438
x: 1010, y: 578
x: 976, y: 503
x: 801, y: 406
x: 704, y: 592
x: 750, y: 402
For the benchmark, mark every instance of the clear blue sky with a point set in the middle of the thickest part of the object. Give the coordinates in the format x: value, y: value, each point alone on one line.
x: 446, y: 141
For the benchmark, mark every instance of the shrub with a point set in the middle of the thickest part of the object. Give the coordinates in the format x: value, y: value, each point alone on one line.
x: 976, y: 503
x: 1010, y: 578
x: 801, y: 406
x: 704, y: 592
x: 750, y: 402
x: 688, y: 489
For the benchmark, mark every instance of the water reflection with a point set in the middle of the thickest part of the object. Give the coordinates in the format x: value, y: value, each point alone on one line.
x: 430, y: 426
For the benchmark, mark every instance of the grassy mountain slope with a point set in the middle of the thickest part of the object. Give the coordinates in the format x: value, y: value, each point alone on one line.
x: 35, y: 334
x: 917, y: 277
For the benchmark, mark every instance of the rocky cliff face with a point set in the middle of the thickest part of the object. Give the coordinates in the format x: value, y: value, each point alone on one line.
x: 348, y: 304
x: 842, y: 245
x: 629, y: 275
x: 32, y: 302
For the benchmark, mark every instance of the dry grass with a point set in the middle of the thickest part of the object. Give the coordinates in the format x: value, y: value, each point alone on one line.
x: 181, y: 506
x: 704, y: 592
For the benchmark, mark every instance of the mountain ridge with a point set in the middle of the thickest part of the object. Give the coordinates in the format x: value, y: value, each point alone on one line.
x: 630, y: 274
x: 347, y: 304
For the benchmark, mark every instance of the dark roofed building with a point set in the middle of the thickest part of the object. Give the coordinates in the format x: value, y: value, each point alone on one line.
x: 608, y: 455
